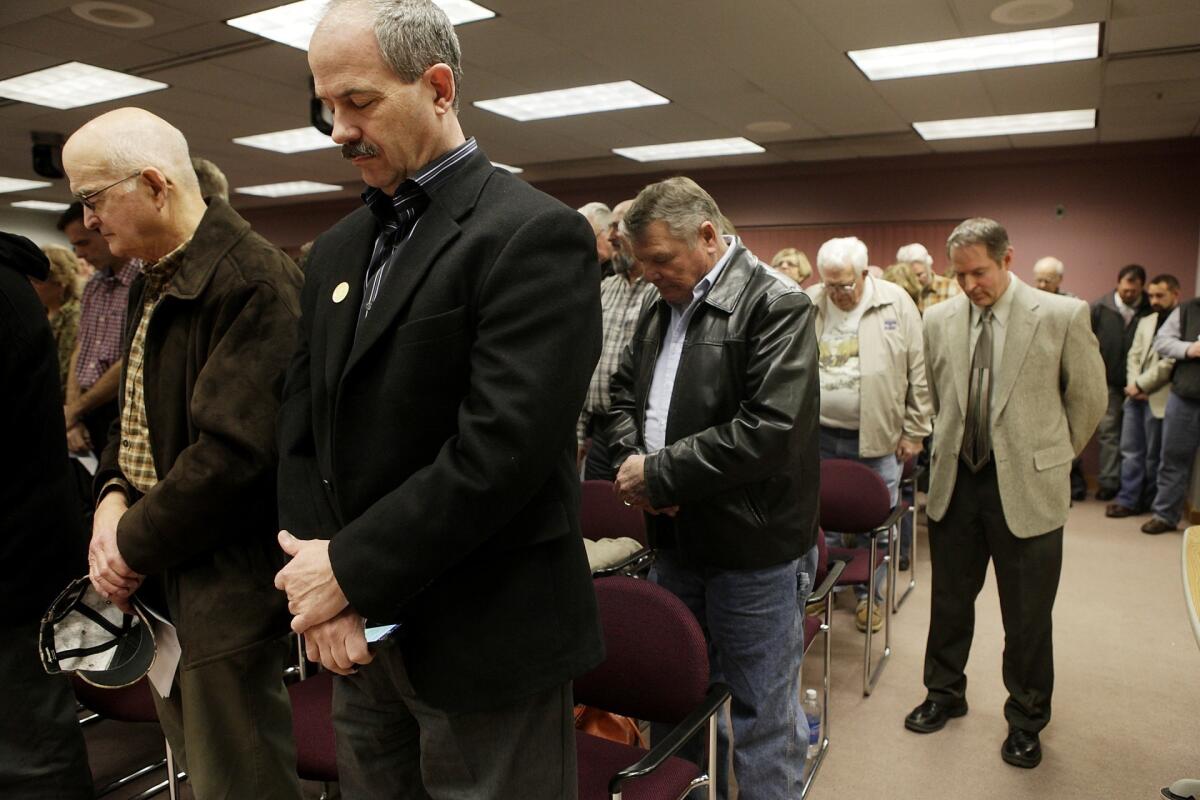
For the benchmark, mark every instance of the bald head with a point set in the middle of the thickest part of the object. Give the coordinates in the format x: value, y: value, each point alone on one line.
x: 134, y: 174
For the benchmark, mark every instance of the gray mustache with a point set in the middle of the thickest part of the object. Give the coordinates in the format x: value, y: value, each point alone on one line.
x: 356, y: 149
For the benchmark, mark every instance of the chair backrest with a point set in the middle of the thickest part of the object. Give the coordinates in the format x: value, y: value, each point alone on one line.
x: 909, y: 467
x: 1191, y: 577
x: 656, y: 660
x: 853, y: 498
x: 603, y: 516
x: 127, y: 704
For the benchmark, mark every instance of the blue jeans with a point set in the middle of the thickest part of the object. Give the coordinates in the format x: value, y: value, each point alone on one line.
x: 1141, y: 441
x: 1180, y: 438
x: 754, y: 623
x: 887, y: 467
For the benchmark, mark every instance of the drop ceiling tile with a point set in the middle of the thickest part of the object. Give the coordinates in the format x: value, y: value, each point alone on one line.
x: 1142, y: 95
x: 202, y: 37
x: 976, y: 16
x: 1125, y: 9
x: 861, y: 24
x: 937, y: 96
x: 1152, y: 33
x: 1154, y: 68
x: 1056, y: 139
x: 1047, y: 87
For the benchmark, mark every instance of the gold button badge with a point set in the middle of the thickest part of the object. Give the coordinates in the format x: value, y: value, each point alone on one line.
x: 340, y: 291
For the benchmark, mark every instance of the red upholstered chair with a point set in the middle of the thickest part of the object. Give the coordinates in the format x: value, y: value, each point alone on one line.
x: 312, y: 727
x: 828, y: 574
x: 603, y: 516
x: 856, y: 500
x: 129, y: 704
x: 655, y: 668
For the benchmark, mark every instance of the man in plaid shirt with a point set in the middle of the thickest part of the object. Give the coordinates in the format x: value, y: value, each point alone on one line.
x: 623, y: 295
x: 96, y: 363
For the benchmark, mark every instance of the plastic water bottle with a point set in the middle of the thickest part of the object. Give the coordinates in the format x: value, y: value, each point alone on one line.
x: 812, y: 712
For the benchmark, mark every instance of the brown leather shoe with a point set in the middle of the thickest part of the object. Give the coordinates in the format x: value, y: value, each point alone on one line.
x: 1156, y: 525
x: 1118, y: 510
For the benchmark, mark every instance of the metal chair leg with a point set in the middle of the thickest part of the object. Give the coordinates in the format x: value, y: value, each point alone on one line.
x: 871, y: 677
x: 826, y: 658
x: 912, y: 556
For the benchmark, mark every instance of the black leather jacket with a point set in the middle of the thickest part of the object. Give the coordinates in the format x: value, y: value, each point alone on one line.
x: 741, y: 460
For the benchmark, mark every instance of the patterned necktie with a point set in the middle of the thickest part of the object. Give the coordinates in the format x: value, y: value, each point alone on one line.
x: 977, y: 433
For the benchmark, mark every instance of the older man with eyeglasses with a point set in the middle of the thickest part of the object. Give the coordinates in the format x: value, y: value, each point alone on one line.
x: 186, y: 516
x: 875, y: 405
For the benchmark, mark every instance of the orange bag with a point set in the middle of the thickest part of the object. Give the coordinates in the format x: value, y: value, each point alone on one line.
x: 607, y: 725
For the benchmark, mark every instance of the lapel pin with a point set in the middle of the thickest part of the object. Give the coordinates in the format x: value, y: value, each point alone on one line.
x: 340, y: 291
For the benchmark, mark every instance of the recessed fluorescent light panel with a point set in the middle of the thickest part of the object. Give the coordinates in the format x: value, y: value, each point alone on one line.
x: 513, y: 170
x: 1010, y: 125
x: 569, y: 102
x: 20, y: 185
x: 72, y: 85
x: 288, y: 188
x: 293, y: 24
x: 40, y: 205
x: 704, y: 148
x: 1044, y: 46
x: 296, y: 140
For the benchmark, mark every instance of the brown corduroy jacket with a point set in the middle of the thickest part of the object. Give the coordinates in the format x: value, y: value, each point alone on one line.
x: 217, y: 347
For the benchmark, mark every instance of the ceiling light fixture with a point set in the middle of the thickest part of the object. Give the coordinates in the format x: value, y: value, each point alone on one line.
x: 20, y: 185
x: 112, y: 15
x: 296, y: 140
x: 995, y: 51
x: 1007, y: 125
x: 73, y: 84
x: 293, y: 24
x: 569, y: 102
x: 288, y: 188
x: 41, y: 205
x: 703, y: 148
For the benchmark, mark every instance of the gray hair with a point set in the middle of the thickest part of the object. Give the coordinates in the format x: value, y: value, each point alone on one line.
x: 838, y: 253
x: 414, y: 35
x: 914, y: 252
x: 980, y: 230
x: 678, y: 202
x: 213, y: 182
x: 1052, y: 262
x: 598, y: 214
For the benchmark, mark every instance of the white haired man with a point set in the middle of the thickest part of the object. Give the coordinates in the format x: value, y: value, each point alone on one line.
x: 186, y: 482
x: 623, y: 296
x: 600, y: 216
x: 932, y: 288
x: 875, y: 406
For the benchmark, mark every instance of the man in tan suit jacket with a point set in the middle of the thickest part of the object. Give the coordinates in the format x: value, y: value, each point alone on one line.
x: 1147, y: 386
x: 999, y: 357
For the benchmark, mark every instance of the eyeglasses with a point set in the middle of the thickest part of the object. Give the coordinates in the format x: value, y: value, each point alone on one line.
x: 88, y: 200
x: 844, y: 288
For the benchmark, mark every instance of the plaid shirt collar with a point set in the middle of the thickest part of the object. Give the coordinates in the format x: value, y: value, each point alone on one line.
x: 123, y: 275
x: 160, y: 272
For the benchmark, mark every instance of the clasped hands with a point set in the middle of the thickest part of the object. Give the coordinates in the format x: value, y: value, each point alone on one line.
x: 111, y: 576
x: 334, y: 633
x: 630, y: 486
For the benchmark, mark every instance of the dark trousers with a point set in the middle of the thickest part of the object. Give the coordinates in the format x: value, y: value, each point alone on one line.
x: 392, y: 744
x: 1027, y: 571
x: 42, y: 754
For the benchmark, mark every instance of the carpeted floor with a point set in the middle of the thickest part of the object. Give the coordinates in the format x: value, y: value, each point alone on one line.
x: 1127, y: 686
x: 1126, y: 704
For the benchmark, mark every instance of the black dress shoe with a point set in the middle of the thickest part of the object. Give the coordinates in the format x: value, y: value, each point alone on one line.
x: 1106, y: 494
x: 931, y: 716
x: 1022, y: 749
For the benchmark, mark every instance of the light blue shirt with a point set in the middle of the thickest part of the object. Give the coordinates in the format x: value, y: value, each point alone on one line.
x: 1169, y: 342
x: 658, y: 403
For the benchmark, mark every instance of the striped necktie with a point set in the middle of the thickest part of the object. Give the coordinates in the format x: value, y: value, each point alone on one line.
x: 977, y: 432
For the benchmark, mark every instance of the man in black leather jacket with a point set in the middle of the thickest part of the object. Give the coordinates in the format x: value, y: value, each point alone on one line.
x: 714, y: 424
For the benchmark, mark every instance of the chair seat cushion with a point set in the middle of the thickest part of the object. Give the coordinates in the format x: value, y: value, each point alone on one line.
x: 132, y: 703
x: 312, y: 725
x: 857, y: 570
x: 600, y: 760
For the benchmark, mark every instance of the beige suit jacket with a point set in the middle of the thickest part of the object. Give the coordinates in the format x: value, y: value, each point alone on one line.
x: 1049, y: 395
x: 1146, y: 368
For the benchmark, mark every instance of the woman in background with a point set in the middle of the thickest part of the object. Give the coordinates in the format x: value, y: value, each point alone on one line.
x: 59, y: 294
